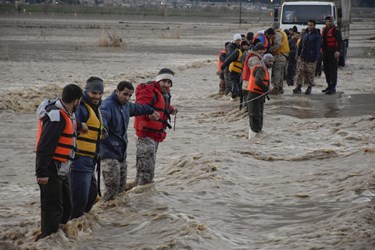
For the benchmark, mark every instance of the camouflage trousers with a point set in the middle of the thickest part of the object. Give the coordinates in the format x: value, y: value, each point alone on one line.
x: 278, y: 72
x: 114, y: 176
x: 146, y: 158
x: 305, y: 73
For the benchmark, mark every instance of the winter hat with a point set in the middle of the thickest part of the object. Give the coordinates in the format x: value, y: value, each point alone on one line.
x: 329, y: 18
x: 295, y: 29
x: 237, y: 37
x: 268, y: 57
x: 259, y: 46
x: 165, y: 74
x: 94, y: 84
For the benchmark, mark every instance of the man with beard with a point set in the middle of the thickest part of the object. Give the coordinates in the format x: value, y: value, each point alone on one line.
x: 55, y: 146
x: 151, y: 132
x: 280, y: 50
x: 258, y: 87
x: 83, y: 180
x: 331, y: 46
x: 308, y: 54
x: 116, y: 110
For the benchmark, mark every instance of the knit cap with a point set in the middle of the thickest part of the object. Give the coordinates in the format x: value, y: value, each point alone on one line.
x: 268, y: 57
x: 164, y: 76
x: 94, y: 84
x: 237, y: 37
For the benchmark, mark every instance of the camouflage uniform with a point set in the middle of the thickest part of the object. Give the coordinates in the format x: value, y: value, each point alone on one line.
x: 306, y: 73
x: 146, y: 158
x: 278, y: 72
x: 114, y: 175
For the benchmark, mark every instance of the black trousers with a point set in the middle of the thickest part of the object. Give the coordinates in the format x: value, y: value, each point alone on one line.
x: 56, y: 203
x: 255, y: 111
x: 330, y: 64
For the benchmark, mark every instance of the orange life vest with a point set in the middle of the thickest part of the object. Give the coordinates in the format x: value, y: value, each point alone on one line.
x: 266, y: 42
x: 65, y: 143
x: 219, y: 63
x: 331, y: 39
x: 252, y: 86
x: 246, y: 71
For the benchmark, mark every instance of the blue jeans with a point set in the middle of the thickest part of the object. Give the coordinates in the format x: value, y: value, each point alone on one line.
x: 84, y: 186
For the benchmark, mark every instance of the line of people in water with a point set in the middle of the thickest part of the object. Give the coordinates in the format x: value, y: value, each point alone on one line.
x: 80, y: 133
x: 294, y: 57
x: 298, y: 58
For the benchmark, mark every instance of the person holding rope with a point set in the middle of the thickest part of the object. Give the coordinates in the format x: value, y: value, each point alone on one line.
x: 83, y: 180
x: 151, y: 132
x: 117, y: 110
x: 258, y: 87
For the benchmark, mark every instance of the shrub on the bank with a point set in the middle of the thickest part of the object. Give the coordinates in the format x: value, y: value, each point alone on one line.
x: 110, y: 40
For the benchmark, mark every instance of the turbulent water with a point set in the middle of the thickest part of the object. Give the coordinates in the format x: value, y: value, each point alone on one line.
x: 306, y: 182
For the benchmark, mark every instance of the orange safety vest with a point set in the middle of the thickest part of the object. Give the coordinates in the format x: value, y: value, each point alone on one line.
x: 331, y: 39
x: 266, y: 42
x: 219, y: 63
x: 65, y: 143
x: 246, y: 71
x: 252, y: 86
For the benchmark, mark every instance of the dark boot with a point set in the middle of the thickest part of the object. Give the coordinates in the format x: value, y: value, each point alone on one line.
x: 308, y: 91
x: 331, y: 91
x: 325, y: 90
x: 297, y: 90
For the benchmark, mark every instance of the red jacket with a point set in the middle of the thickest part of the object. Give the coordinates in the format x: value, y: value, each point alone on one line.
x: 151, y: 94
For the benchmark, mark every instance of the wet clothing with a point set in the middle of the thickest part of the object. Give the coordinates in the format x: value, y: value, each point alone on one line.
x: 149, y: 131
x: 55, y: 196
x: 113, y: 148
x: 152, y: 95
x: 116, y: 120
x: 146, y: 159
x: 331, y: 42
x: 234, y: 61
x: 231, y: 47
x: 259, y: 77
x: 114, y: 175
x: 83, y: 180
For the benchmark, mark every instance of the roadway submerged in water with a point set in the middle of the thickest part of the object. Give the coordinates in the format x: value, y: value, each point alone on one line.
x: 323, y: 106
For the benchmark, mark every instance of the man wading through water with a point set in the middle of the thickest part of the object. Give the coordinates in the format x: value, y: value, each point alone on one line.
x: 151, y: 132
x: 258, y: 86
x: 116, y: 110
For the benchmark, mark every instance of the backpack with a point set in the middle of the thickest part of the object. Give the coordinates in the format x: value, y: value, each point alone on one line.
x: 149, y: 88
x: 41, y: 110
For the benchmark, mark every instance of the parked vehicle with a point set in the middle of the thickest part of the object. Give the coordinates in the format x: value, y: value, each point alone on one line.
x: 296, y: 13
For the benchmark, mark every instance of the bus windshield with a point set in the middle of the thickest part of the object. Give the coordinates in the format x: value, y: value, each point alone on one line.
x: 300, y: 14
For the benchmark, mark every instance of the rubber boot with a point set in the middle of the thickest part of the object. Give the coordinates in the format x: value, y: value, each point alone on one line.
x: 297, y: 90
x: 308, y: 90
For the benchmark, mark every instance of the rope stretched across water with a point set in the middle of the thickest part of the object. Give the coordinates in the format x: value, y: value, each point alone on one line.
x: 242, y: 103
